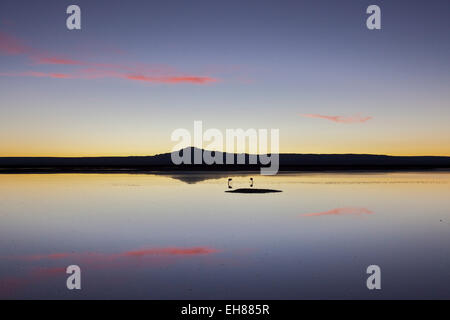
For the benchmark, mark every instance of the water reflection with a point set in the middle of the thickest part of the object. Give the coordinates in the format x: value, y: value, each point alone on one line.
x: 340, y: 211
x: 154, y: 236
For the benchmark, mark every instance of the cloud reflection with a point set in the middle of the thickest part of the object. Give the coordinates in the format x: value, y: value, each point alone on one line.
x: 168, y: 251
x: 339, y: 119
x: 34, y: 271
x: 340, y: 211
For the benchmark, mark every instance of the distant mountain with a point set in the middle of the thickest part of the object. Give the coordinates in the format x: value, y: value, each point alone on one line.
x: 163, y: 162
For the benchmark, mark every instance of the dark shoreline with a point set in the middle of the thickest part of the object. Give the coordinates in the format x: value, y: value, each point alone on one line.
x: 163, y: 163
x: 212, y: 170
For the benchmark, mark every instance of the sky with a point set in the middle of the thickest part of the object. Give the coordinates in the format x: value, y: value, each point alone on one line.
x: 138, y: 70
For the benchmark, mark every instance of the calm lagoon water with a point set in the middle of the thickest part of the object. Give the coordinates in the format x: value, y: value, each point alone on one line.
x: 167, y: 236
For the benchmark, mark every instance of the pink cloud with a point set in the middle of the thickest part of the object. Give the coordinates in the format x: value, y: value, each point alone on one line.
x: 45, y: 59
x: 51, y: 256
x: 61, y: 61
x: 47, y: 272
x: 169, y: 251
x: 37, y: 75
x: 60, y: 76
x: 140, y: 72
x: 340, y: 211
x: 10, y: 285
x: 340, y: 119
x: 97, y: 73
x: 11, y: 46
x: 188, y: 79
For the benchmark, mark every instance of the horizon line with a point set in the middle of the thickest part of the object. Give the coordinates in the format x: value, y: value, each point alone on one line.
x: 246, y: 153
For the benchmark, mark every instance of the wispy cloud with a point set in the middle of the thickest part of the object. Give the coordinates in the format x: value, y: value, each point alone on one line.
x: 10, y: 45
x: 339, y: 212
x: 167, y: 251
x: 339, y: 119
x: 180, y: 79
x: 97, y: 74
x: 37, y: 75
x: 10, y: 285
x: 80, y: 69
x: 59, y: 60
x: 33, y: 271
x: 171, y: 251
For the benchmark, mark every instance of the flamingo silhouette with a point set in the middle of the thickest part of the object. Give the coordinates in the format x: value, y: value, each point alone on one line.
x: 229, y: 180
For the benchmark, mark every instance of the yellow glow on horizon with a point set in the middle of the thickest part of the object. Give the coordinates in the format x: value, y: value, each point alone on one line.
x: 98, y: 152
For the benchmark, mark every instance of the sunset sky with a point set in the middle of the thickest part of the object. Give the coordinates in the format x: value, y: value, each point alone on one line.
x: 138, y: 70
